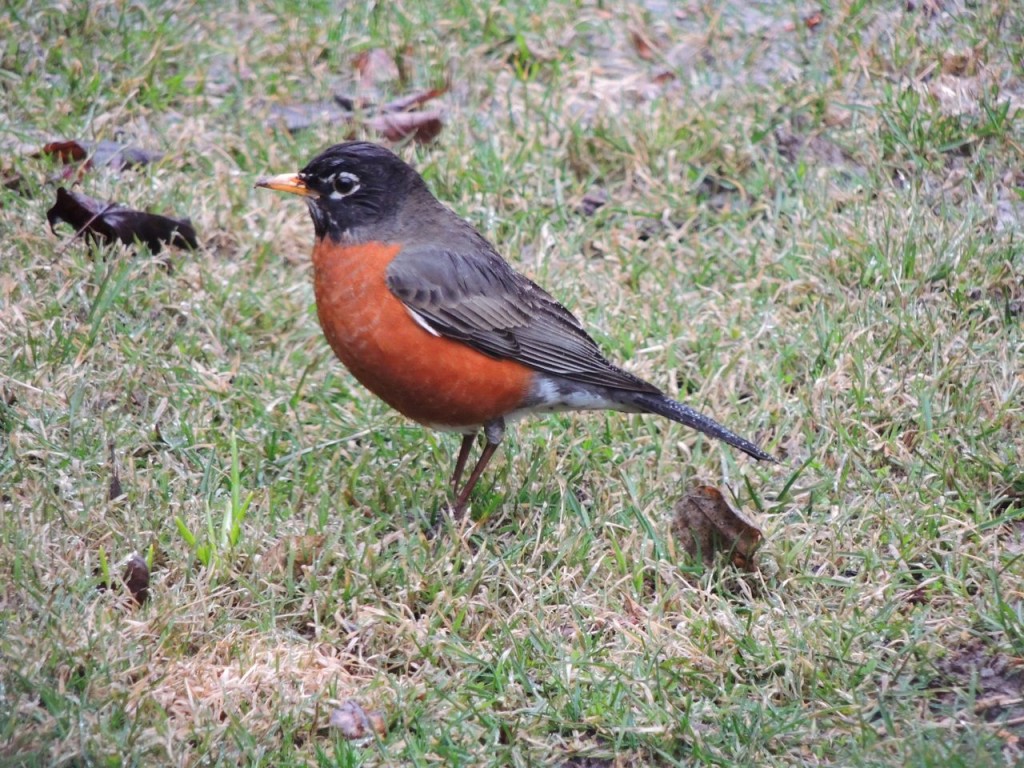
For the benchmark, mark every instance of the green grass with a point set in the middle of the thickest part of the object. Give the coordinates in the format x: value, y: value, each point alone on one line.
x: 811, y: 233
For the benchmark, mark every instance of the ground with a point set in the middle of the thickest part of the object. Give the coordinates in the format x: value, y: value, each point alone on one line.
x: 804, y: 220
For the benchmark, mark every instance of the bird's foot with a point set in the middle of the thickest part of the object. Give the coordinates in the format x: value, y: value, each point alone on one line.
x: 447, y: 512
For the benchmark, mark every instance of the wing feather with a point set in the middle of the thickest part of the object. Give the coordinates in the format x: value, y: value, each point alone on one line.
x: 480, y: 300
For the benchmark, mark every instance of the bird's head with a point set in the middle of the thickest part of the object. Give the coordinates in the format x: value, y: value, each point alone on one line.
x: 352, y: 189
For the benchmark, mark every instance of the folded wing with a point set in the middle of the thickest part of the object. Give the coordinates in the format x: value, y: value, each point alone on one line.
x: 480, y: 300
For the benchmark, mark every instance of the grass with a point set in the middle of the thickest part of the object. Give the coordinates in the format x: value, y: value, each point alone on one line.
x: 812, y: 232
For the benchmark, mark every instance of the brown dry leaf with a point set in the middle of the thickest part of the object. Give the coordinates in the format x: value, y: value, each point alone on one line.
x: 643, y: 46
x: 298, y: 117
x: 417, y: 99
x: 960, y: 63
x: 136, y: 577
x: 115, y: 491
x: 354, y: 722
x: 301, y: 551
x: 593, y: 200
x: 109, y: 222
x: 390, y: 120
x: 99, y: 154
x: 375, y: 66
x: 706, y: 524
x: 395, y: 126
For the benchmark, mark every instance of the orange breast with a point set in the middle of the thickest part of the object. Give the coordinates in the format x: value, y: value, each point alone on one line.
x: 430, y: 379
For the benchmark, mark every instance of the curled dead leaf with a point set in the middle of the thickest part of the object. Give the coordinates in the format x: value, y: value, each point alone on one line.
x: 354, y: 722
x: 393, y: 119
x: 593, y: 200
x: 411, y: 100
x: 395, y: 126
x: 99, y: 154
x: 136, y: 577
x: 705, y: 523
x: 110, y: 222
x: 960, y: 63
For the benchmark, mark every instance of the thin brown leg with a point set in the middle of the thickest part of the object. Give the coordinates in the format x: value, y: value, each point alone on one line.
x: 493, y: 431
x: 460, y: 463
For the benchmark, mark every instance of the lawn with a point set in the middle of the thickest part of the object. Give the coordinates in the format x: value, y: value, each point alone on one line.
x: 804, y: 220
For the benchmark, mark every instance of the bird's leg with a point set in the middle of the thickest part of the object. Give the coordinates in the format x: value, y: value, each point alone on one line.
x: 493, y: 432
x: 460, y: 463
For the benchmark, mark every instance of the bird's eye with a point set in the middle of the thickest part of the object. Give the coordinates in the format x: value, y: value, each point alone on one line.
x: 345, y: 184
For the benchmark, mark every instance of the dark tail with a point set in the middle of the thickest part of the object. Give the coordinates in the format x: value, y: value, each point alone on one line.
x: 670, y: 409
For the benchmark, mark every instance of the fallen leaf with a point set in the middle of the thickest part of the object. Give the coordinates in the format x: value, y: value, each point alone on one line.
x: 301, y: 551
x: 593, y: 200
x: 396, y: 126
x: 99, y: 154
x: 108, y: 222
x: 706, y: 524
x: 642, y: 44
x: 136, y: 577
x: 356, y: 723
x: 405, y: 103
x: 960, y: 63
x: 348, y: 103
x: 115, y: 490
x: 375, y: 66
x: 298, y: 117
x: 342, y: 109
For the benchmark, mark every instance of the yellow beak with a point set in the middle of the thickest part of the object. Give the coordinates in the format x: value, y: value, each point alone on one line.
x: 287, y: 182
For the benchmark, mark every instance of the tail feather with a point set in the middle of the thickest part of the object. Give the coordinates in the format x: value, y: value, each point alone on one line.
x: 663, y: 405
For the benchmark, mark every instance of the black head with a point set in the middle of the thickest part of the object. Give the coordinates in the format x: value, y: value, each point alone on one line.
x: 355, y: 189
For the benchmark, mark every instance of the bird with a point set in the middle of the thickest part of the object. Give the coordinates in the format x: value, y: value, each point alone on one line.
x: 425, y: 313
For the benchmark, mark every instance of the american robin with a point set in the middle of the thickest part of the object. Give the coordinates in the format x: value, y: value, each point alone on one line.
x: 425, y: 313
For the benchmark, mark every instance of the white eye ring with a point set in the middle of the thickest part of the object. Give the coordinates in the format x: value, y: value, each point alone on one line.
x: 344, y: 184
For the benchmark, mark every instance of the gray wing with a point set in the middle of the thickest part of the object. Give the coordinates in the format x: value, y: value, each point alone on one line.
x: 480, y: 300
